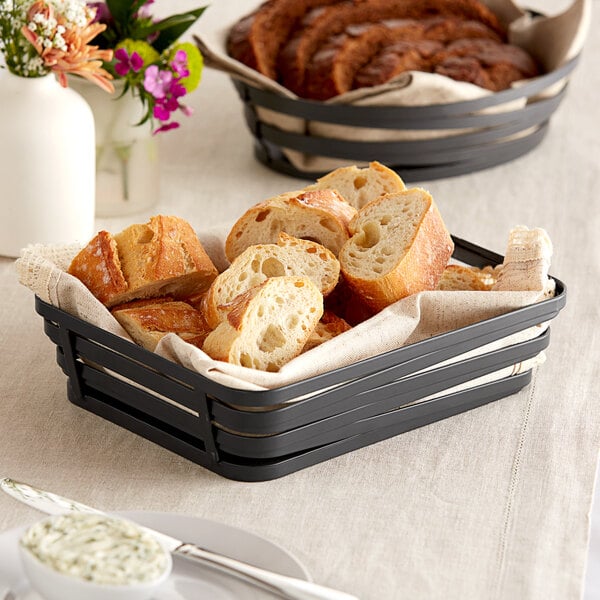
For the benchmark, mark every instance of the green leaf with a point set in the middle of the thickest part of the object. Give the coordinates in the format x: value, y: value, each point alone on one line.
x: 171, y: 29
x: 123, y: 12
x: 120, y: 9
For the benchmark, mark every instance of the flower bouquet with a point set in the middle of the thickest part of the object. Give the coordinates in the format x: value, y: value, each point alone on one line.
x: 148, y: 57
x: 39, y: 37
x: 153, y: 72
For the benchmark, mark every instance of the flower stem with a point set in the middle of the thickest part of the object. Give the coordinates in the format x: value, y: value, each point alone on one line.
x: 123, y: 151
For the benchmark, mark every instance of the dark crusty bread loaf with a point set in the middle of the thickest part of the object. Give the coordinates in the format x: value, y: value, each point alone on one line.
x: 320, y: 49
x: 402, y: 54
x: 395, y: 59
x: 448, y: 29
x: 158, y: 258
x: 336, y: 66
x: 256, y: 39
x: 399, y: 246
x: 360, y: 185
x: 148, y: 321
x: 324, y: 22
x: 289, y: 256
x: 332, y: 69
x: 268, y: 325
x: 318, y: 215
x: 485, y: 63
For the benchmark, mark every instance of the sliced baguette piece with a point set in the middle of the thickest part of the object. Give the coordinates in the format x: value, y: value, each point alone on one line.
x: 290, y: 256
x: 359, y: 186
x: 158, y: 258
x: 400, y: 246
x: 327, y: 328
x: 162, y: 257
x: 148, y: 321
x: 320, y: 215
x: 98, y: 267
x: 268, y: 325
x: 461, y: 277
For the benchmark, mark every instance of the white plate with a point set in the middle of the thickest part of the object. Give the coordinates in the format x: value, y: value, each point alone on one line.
x: 188, y: 581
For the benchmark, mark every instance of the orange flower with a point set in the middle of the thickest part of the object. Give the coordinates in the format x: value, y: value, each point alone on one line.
x: 73, y: 54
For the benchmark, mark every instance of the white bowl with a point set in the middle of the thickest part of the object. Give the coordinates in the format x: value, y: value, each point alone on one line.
x: 53, y: 584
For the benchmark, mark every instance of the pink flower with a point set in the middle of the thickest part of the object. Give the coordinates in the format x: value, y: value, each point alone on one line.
x: 126, y: 63
x: 157, y: 82
x: 188, y: 111
x: 177, y: 90
x: 179, y: 64
x: 166, y: 90
x: 161, y: 112
x: 167, y: 127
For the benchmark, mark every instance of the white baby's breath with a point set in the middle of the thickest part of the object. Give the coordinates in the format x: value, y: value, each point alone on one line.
x: 21, y: 57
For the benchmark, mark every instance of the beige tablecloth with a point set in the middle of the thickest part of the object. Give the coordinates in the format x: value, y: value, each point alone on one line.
x: 493, y: 503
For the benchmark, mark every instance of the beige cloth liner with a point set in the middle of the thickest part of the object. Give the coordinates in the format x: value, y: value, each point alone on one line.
x: 551, y: 40
x: 523, y: 281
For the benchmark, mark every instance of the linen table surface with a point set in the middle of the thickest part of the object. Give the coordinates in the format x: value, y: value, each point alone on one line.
x: 493, y: 503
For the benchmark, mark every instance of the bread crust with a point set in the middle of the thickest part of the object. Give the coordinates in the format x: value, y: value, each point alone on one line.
x: 358, y: 186
x: 99, y: 268
x: 322, y: 23
x: 484, y: 62
x: 163, y: 256
x: 256, y: 39
x: 327, y: 328
x: 158, y: 258
x: 320, y: 215
x: 332, y: 69
x: 148, y: 321
x: 406, y: 269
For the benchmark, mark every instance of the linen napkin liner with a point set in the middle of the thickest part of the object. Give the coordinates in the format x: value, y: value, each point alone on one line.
x: 523, y: 280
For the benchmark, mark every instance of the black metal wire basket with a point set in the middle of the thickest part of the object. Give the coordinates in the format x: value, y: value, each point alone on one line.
x: 486, y: 140
x: 261, y: 435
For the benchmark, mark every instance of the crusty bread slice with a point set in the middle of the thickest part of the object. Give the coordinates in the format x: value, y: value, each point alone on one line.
x: 256, y: 39
x: 320, y: 24
x: 148, y: 321
x: 359, y: 186
x: 461, y: 277
x: 400, y: 246
x: 331, y: 70
x: 290, y: 256
x: 268, y: 325
x: 320, y: 215
x: 397, y: 58
x: 158, y: 258
x: 163, y: 256
x: 98, y: 267
x: 327, y: 328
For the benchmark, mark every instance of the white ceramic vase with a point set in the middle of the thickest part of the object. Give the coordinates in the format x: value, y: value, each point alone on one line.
x: 47, y: 151
x: 127, y: 167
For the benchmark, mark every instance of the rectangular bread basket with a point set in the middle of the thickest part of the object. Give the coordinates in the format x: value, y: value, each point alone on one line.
x: 261, y: 435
